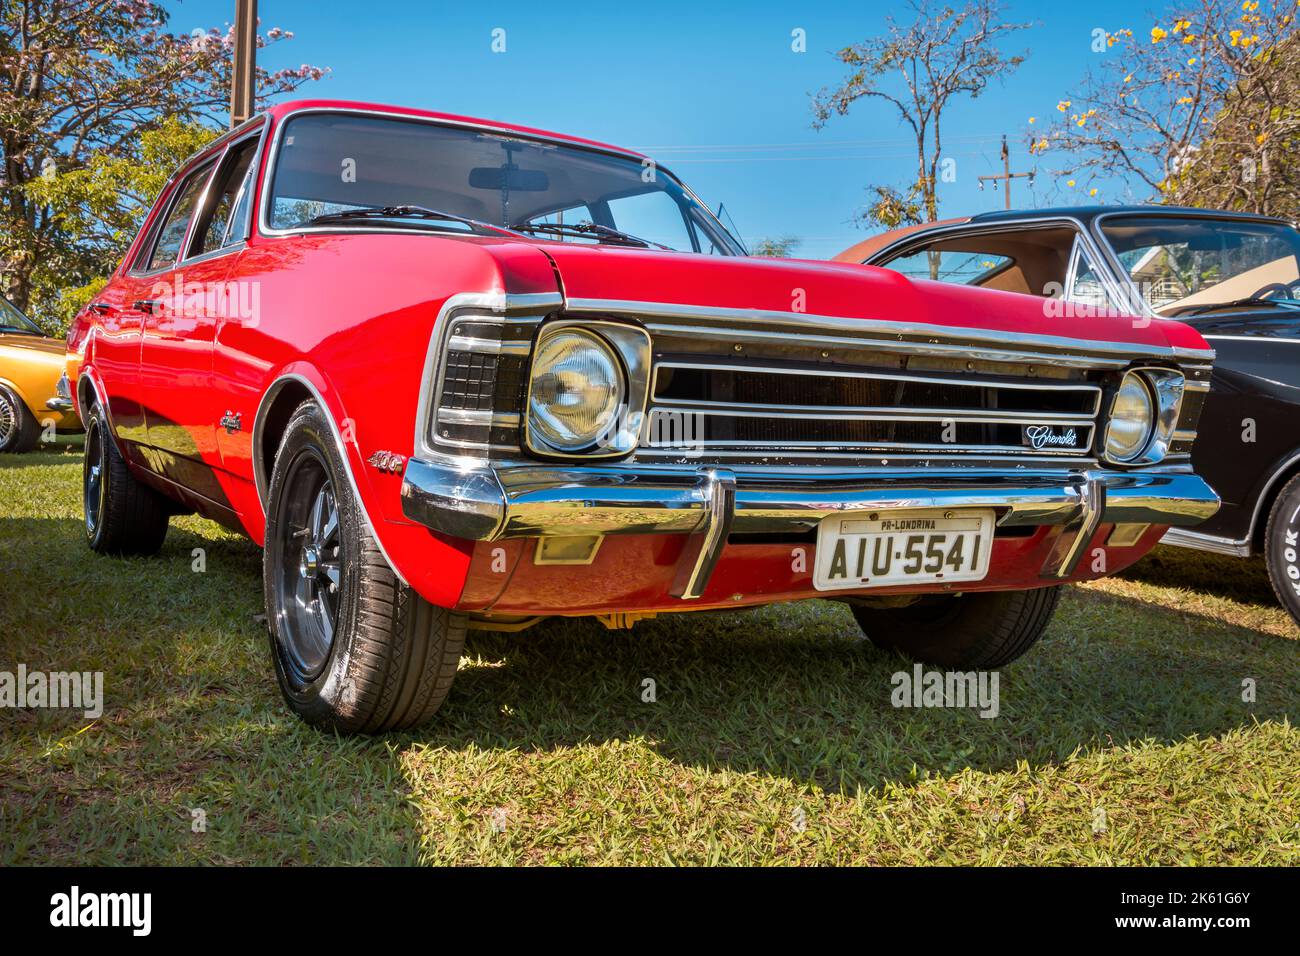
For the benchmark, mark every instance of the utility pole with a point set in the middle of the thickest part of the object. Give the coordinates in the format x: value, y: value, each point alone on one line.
x: 244, y: 72
x: 1007, y: 174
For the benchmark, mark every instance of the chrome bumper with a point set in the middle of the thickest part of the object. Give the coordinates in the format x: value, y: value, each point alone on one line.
x: 60, y: 405
x: 485, y: 502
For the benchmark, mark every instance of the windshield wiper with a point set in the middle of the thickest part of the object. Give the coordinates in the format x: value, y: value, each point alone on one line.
x: 589, y: 229
x: 406, y: 212
x: 1248, y: 302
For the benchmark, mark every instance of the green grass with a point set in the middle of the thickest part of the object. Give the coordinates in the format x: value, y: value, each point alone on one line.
x: 772, y: 739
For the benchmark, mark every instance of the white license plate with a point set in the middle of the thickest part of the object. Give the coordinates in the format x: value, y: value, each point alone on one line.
x: 872, y: 549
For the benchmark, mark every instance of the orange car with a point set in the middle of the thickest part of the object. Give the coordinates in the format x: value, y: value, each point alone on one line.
x: 34, y: 393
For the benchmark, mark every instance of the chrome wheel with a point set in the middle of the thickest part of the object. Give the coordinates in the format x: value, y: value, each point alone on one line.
x: 9, y: 420
x: 308, y: 582
x: 92, y: 477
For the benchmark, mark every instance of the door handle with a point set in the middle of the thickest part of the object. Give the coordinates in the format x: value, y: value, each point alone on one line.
x: 102, y: 308
x: 147, y: 305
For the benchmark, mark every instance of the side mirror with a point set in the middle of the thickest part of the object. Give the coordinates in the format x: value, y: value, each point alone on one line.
x: 510, y: 178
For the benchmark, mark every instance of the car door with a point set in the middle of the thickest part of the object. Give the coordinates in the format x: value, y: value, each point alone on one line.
x: 182, y: 308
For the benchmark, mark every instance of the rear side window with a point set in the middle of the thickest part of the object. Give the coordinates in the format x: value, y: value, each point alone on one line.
x: 963, y: 268
x: 219, y: 224
x: 170, y: 235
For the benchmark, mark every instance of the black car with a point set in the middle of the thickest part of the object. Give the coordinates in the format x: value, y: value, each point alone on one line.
x: 1234, y: 277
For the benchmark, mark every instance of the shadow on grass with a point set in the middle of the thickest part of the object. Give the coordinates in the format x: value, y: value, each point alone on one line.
x: 792, y: 691
x: 789, y: 691
x: 1238, y: 579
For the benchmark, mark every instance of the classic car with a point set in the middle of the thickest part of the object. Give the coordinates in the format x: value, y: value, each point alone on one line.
x: 1233, y: 277
x: 35, y: 394
x: 455, y: 373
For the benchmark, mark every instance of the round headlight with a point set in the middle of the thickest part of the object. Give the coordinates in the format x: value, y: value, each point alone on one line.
x: 1131, y: 419
x: 576, y: 391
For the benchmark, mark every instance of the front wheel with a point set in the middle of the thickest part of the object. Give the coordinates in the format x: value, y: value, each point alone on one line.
x: 355, y: 649
x: 1282, y: 547
x: 976, y: 631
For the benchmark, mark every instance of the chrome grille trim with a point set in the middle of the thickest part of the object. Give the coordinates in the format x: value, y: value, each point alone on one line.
x: 468, y: 343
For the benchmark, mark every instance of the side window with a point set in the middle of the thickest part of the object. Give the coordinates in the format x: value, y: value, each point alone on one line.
x: 170, y: 235
x: 961, y: 268
x: 229, y: 200
x: 654, y: 216
x: 1083, y: 283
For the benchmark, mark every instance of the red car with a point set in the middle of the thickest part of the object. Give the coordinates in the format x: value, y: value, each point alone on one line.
x: 453, y: 373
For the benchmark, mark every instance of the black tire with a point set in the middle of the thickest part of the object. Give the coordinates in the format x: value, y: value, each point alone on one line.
x: 122, y: 516
x: 1282, y: 547
x: 355, y: 649
x: 19, y: 430
x: 977, y: 631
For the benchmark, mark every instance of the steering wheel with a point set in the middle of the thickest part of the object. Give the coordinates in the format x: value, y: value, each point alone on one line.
x: 1280, y: 288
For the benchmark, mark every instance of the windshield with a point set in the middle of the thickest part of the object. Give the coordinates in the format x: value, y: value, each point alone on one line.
x: 329, y: 163
x: 1181, y: 265
x: 11, y: 319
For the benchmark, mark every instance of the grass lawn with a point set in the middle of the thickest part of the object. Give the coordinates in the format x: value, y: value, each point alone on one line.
x: 1122, y: 738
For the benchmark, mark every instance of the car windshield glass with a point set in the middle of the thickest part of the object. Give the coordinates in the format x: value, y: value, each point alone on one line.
x: 1183, y: 265
x: 329, y: 163
x: 13, y: 320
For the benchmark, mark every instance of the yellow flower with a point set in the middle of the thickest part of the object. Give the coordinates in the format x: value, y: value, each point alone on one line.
x: 1191, y: 61
x: 1184, y: 99
x: 1181, y: 25
x: 1261, y: 137
x: 1157, y: 34
x: 1236, y: 36
x: 1129, y: 78
x: 1092, y: 191
x: 1070, y: 183
x: 1063, y: 105
x: 1032, y: 120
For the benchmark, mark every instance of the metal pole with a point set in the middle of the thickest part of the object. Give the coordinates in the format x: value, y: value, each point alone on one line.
x: 243, y: 73
x: 1006, y: 168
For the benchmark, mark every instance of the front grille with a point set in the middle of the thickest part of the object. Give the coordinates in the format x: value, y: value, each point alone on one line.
x: 797, y: 406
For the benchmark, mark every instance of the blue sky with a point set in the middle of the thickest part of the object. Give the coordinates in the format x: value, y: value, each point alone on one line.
x: 714, y: 92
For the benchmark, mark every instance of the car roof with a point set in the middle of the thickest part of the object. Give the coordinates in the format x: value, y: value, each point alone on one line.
x: 281, y: 110
x: 1085, y: 214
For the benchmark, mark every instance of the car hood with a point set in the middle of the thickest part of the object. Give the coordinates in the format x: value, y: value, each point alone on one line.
x: 32, y: 343
x: 621, y: 278
x: 1263, y: 323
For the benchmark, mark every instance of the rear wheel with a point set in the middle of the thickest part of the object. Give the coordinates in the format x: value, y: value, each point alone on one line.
x: 974, y: 631
x: 355, y: 649
x: 1282, y: 547
x: 122, y: 515
x: 19, y: 430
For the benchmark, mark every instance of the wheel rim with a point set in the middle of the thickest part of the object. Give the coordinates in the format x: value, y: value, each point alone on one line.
x: 308, y: 578
x: 92, y: 477
x: 8, y: 419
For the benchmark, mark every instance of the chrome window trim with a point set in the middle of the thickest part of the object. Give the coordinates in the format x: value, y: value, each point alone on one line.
x: 1053, y: 346
x: 211, y: 160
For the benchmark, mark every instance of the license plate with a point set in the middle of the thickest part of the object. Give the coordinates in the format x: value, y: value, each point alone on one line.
x: 872, y: 549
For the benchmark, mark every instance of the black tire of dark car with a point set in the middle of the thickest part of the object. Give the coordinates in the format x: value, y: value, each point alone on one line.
x: 122, y: 516
x: 355, y: 649
x: 19, y: 430
x: 974, y: 631
x: 1282, y: 547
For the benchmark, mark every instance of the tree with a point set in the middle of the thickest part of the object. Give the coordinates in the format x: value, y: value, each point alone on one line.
x: 775, y: 248
x: 920, y: 68
x: 80, y: 82
x: 1176, y: 111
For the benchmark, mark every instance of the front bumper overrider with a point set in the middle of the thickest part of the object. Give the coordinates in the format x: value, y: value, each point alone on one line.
x: 486, y: 501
